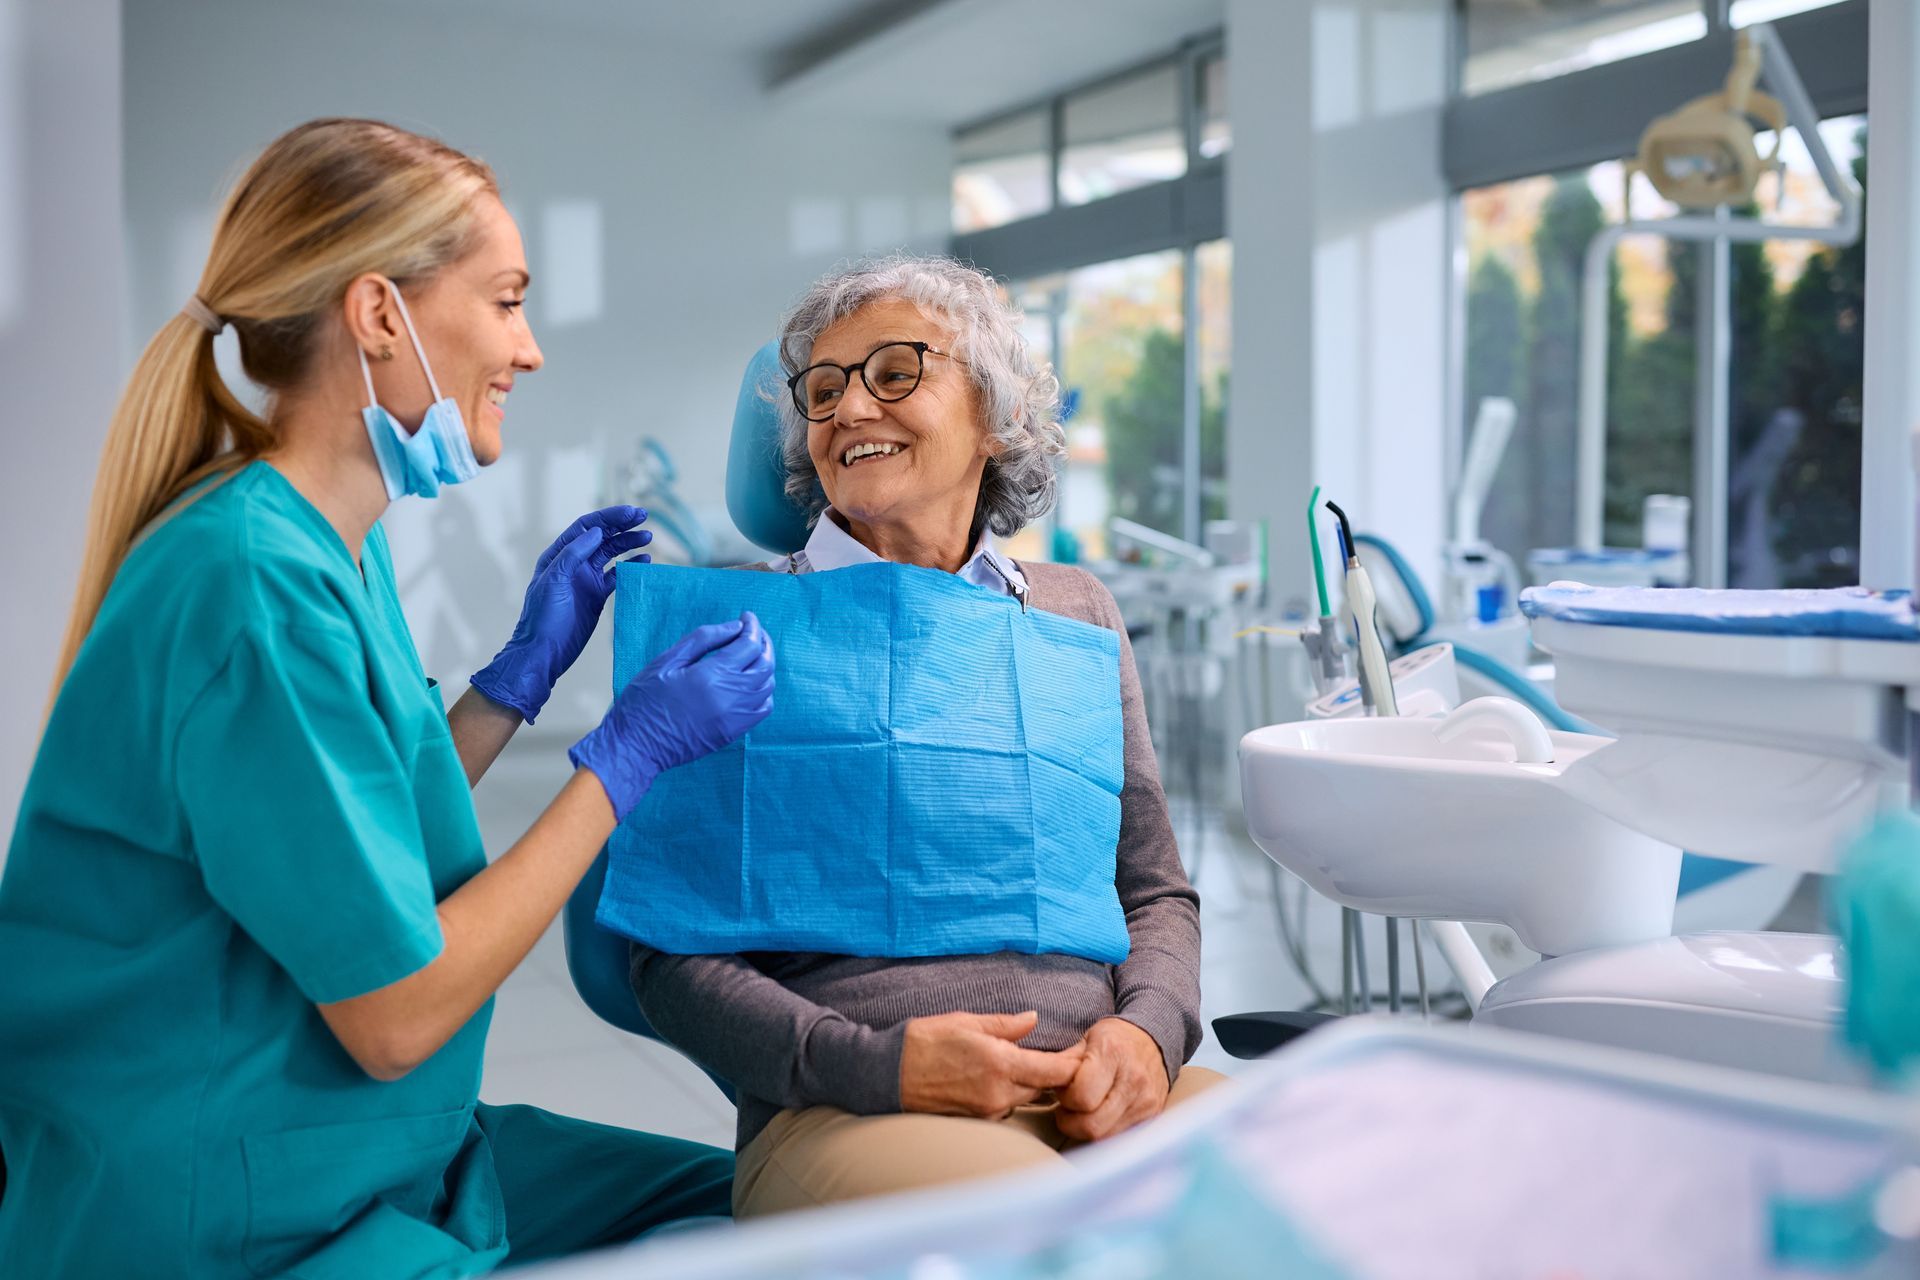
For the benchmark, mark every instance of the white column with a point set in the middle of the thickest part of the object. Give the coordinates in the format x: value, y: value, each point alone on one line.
x: 1270, y: 216
x: 1892, y: 331
x: 1338, y: 212
x: 62, y: 323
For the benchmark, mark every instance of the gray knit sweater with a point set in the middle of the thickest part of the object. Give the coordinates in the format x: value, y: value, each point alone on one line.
x: 795, y: 1030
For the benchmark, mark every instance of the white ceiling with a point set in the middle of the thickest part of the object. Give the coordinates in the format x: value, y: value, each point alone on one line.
x: 957, y: 61
x: 752, y: 28
x: 937, y: 61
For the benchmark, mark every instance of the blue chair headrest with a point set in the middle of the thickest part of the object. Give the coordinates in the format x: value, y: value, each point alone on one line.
x: 756, y: 477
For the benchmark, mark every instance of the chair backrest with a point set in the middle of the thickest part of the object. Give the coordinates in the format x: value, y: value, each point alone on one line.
x: 597, y: 962
x: 756, y: 477
x: 597, y: 959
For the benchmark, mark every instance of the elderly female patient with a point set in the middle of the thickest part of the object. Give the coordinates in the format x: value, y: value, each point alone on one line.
x: 918, y: 422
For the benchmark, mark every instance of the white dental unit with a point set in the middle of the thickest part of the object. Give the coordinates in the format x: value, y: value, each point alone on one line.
x: 1754, y: 738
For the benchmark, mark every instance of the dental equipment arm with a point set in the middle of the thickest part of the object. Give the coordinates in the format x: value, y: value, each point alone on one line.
x: 1492, y: 429
x: 1325, y: 653
x: 1464, y: 958
x: 1165, y: 543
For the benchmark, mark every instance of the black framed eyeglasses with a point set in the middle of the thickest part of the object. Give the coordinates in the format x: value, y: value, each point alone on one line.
x: 892, y: 372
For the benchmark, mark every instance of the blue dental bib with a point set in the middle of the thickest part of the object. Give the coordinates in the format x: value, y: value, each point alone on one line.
x: 940, y: 775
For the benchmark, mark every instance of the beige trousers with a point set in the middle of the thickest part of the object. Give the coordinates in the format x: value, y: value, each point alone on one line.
x: 822, y: 1155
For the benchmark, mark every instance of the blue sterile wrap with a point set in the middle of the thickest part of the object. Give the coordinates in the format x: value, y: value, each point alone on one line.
x: 940, y: 775
x: 1852, y: 613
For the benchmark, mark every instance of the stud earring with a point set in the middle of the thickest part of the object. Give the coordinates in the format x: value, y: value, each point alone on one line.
x: 386, y: 353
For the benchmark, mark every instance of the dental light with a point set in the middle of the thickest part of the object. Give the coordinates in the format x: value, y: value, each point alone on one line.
x: 1704, y: 155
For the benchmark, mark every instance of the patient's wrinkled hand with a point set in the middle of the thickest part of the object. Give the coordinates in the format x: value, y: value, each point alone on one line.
x: 1122, y: 1081
x: 970, y: 1064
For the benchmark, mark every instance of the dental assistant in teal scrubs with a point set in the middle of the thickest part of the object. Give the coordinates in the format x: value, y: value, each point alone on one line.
x: 248, y: 935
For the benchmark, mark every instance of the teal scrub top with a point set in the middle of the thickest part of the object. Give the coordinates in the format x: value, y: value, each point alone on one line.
x: 246, y: 802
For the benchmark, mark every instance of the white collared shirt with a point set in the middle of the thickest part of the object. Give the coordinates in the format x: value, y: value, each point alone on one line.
x: 831, y: 547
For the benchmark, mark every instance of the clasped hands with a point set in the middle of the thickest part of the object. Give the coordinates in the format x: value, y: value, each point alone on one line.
x: 971, y: 1064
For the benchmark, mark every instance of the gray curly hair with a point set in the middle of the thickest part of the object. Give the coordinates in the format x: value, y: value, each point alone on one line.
x: 1019, y: 396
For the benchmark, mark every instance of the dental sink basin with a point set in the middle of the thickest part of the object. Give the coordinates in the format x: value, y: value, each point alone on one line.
x: 1466, y: 817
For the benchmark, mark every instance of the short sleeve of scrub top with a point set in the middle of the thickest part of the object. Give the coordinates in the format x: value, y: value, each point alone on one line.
x: 285, y: 745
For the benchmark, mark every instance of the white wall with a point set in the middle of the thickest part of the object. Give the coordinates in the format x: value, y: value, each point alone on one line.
x: 62, y: 290
x: 714, y: 210
x: 1338, y: 213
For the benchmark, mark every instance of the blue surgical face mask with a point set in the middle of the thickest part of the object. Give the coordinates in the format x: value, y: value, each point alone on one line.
x: 418, y: 462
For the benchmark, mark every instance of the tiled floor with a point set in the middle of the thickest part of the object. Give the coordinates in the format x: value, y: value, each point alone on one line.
x: 546, y: 1048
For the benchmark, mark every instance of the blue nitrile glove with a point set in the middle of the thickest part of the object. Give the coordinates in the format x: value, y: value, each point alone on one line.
x: 713, y: 685
x: 570, y: 586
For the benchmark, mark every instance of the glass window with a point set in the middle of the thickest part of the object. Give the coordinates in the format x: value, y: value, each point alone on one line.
x: 1121, y: 374
x: 1509, y: 42
x: 1747, y: 12
x: 1123, y: 365
x: 1526, y: 243
x: 1213, y: 272
x: 1121, y: 136
x: 1793, y: 491
x: 1216, y: 127
x: 1794, y: 479
x: 1000, y: 172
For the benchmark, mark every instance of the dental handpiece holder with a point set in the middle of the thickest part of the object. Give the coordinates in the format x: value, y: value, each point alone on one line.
x: 1426, y: 682
x: 1326, y: 656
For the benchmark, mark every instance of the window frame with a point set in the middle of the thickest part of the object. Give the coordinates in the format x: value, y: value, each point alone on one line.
x: 1586, y: 117
x: 1181, y: 213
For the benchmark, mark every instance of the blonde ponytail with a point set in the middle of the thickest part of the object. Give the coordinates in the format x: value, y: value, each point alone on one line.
x: 325, y: 203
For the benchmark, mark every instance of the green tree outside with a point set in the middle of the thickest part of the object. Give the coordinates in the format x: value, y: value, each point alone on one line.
x: 1821, y: 375
x: 1797, y: 350
x: 1144, y: 434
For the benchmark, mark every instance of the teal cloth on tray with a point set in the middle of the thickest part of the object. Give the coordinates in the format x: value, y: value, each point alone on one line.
x: 940, y: 775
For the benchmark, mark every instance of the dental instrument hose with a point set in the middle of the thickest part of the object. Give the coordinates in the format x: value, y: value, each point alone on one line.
x: 1319, y: 567
x: 1376, y: 680
x: 1329, y: 665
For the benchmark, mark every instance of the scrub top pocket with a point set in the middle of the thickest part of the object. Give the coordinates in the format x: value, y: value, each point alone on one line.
x: 382, y: 1180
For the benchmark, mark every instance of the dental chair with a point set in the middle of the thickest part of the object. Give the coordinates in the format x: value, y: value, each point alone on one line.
x: 758, y: 503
